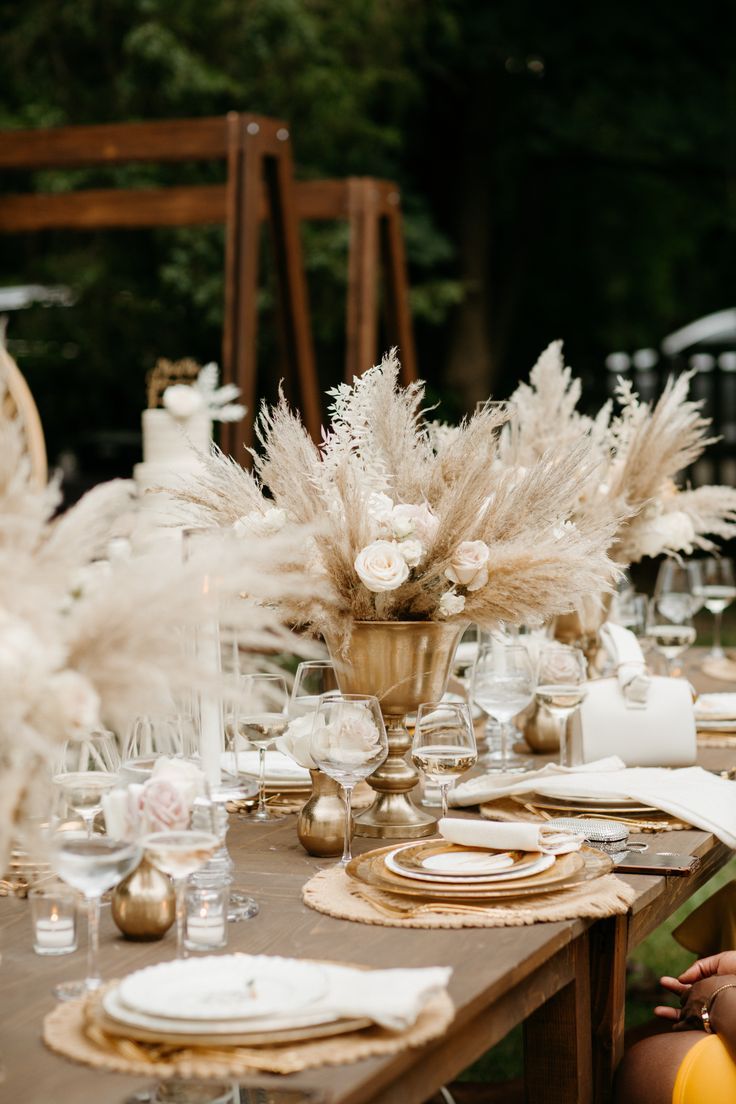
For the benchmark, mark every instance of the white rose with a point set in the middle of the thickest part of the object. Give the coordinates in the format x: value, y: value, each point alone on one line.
x: 74, y: 702
x: 182, y: 401
x: 297, y: 740
x: 412, y: 551
x: 670, y: 532
x: 416, y: 521
x: 186, y: 776
x: 261, y: 524
x: 381, y: 566
x: 351, y: 740
x: 469, y: 565
x: 451, y: 603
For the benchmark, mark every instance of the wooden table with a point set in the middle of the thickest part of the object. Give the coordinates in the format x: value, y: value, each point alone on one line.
x: 536, y: 975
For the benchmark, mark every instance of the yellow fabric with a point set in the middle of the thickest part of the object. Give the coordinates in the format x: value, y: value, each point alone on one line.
x: 707, y: 1075
x: 710, y: 928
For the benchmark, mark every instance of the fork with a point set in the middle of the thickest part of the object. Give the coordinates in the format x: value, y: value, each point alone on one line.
x: 410, y: 911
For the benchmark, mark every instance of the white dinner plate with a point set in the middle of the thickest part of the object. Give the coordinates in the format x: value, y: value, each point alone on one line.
x: 280, y: 769
x: 719, y: 707
x: 443, y: 875
x: 224, y: 987
x: 572, y: 794
x: 119, y: 1011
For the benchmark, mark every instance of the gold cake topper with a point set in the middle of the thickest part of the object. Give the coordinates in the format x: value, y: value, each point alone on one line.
x: 165, y: 374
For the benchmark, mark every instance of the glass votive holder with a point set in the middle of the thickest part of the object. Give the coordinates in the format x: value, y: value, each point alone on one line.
x: 54, y: 920
x: 206, y: 927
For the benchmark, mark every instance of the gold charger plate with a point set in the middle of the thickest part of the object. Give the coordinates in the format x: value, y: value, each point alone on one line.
x: 99, y: 1018
x: 411, y: 860
x: 569, y: 870
x: 580, y: 805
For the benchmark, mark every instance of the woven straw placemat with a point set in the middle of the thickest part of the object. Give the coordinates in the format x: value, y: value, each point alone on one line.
x: 335, y: 893
x: 506, y: 809
x: 69, y: 1030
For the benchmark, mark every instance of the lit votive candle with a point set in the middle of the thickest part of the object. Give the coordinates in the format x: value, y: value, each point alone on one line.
x: 206, y: 918
x: 54, y: 919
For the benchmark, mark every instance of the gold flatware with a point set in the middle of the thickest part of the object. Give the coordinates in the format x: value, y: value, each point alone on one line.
x: 630, y: 822
x: 407, y: 912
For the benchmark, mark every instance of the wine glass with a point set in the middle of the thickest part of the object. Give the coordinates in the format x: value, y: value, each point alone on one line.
x: 715, y: 584
x: 348, y: 743
x: 179, y: 852
x: 313, y: 678
x: 678, y: 582
x: 670, y: 627
x: 630, y: 610
x: 444, y: 746
x: 561, y: 687
x: 503, y: 685
x: 154, y: 735
x: 92, y: 865
x: 260, y: 718
x: 86, y: 770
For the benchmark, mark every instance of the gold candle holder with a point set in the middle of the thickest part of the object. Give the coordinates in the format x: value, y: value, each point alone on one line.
x: 403, y: 663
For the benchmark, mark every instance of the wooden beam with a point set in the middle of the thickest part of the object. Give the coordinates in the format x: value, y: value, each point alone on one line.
x: 108, y: 208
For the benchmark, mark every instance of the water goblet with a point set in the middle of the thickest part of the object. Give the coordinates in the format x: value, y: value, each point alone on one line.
x: 87, y: 769
x: 503, y: 686
x: 259, y: 719
x: 670, y: 627
x: 561, y: 686
x: 348, y: 743
x: 179, y: 852
x: 715, y: 584
x: 92, y: 865
x: 444, y: 746
x: 313, y: 678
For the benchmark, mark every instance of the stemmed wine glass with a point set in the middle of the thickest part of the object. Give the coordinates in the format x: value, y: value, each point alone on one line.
x: 678, y: 585
x: 348, y: 743
x: 561, y: 686
x: 670, y: 627
x: 87, y: 769
x: 444, y: 746
x: 260, y: 718
x: 313, y: 678
x: 715, y: 584
x: 92, y: 865
x: 503, y: 685
x: 180, y: 852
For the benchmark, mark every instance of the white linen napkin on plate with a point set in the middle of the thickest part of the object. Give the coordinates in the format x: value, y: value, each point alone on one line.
x: 278, y: 765
x: 508, y: 836
x: 391, y: 998
x: 628, y: 658
x: 715, y: 707
x: 690, y: 794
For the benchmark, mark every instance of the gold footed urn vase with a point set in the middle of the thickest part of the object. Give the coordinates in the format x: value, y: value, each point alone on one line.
x: 403, y: 663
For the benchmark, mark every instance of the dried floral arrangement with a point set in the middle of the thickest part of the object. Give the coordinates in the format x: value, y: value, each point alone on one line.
x: 88, y: 641
x: 642, y: 450
x: 407, y: 526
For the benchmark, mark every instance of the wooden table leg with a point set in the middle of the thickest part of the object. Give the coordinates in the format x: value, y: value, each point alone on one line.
x: 608, y: 940
x: 557, y: 1056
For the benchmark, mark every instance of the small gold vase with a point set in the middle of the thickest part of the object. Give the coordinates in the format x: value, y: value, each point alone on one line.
x: 581, y: 628
x: 144, y: 904
x: 542, y: 730
x: 320, y: 826
x: 403, y: 663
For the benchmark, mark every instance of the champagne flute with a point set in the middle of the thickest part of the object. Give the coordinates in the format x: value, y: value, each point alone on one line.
x: 179, y: 852
x: 561, y: 686
x: 313, y: 678
x: 261, y: 717
x: 87, y: 769
x: 348, y: 743
x: 503, y: 686
x: 714, y: 583
x: 670, y: 627
x: 444, y: 746
x: 92, y: 865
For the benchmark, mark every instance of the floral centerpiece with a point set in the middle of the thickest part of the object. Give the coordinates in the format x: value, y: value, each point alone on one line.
x: 642, y: 451
x: 411, y: 535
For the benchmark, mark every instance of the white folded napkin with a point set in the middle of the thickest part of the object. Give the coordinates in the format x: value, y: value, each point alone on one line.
x: 628, y: 658
x: 716, y: 707
x: 508, y: 836
x: 278, y: 765
x: 391, y: 998
x: 690, y: 794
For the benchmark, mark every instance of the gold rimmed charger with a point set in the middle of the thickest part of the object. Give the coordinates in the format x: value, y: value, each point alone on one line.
x: 583, y: 805
x: 569, y: 870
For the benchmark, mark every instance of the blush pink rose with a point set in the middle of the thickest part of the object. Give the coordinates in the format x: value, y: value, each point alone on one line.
x: 163, y: 806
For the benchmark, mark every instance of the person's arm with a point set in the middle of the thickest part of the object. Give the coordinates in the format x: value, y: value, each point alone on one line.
x: 715, y: 994
x: 723, y: 1017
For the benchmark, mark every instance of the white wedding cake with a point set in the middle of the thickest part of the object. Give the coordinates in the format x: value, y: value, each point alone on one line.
x: 177, y: 434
